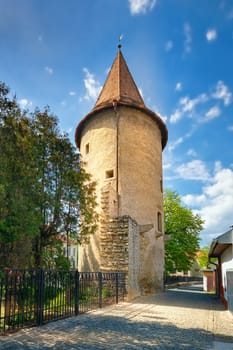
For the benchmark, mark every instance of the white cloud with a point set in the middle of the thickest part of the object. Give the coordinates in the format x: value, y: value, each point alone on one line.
x: 214, y: 204
x: 188, y: 38
x: 217, y: 166
x: 212, y: 113
x: 194, y: 200
x: 92, y: 86
x: 211, y: 34
x: 223, y: 184
x: 217, y: 211
x: 141, y: 6
x: 194, y: 170
x: 178, y: 86
x: 189, y: 104
x: 230, y: 128
x: 167, y: 166
x: 48, y: 70
x: 72, y: 93
x: 173, y: 145
x: 168, y: 45
x: 176, y: 116
x: 25, y: 103
x: 191, y: 152
x: 222, y: 93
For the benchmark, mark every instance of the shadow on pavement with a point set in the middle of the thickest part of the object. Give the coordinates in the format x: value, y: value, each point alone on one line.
x: 189, y: 297
x: 128, y: 326
x: 110, y: 332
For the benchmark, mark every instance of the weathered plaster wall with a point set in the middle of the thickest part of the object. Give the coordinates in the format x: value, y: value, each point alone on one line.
x: 139, y: 170
x: 134, y: 259
x: 140, y: 176
x: 227, y: 264
x: 99, y: 136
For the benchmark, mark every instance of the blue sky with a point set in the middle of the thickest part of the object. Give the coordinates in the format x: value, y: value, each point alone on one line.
x: 180, y: 53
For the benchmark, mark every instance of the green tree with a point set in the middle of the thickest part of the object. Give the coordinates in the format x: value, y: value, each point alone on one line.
x: 66, y: 194
x: 43, y: 189
x: 18, y: 219
x: 183, y: 228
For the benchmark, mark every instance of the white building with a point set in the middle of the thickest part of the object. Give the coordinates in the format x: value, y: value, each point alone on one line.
x: 222, y: 249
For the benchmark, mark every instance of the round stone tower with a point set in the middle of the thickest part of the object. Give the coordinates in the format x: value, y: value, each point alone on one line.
x: 121, y: 143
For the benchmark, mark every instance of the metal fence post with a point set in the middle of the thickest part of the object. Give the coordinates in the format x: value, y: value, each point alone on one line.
x: 117, y: 287
x: 7, y: 306
x: 76, y: 293
x: 40, y: 300
x: 34, y: 297
x: 100, y: 288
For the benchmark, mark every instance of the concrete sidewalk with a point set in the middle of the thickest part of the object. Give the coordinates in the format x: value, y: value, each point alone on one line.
x: 177, y: 319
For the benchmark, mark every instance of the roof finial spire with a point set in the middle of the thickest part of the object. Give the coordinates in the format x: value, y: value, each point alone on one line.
x: 120, y: 38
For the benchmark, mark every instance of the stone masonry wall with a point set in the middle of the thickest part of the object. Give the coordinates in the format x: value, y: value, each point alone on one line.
x: 114, y: 247
x: 119, y: 241
x: 119, y: 250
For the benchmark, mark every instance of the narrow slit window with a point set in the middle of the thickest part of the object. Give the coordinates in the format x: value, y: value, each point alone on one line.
x: 161, y: 185
x: 87, y: 148
x: 159, y: 221
x: 109, y: 174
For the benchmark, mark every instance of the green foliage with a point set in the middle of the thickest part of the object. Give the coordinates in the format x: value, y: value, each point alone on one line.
x: 202, y: 257
x: 106, y: 292
x: 53, y: 256
x: 43, y: 189
x: 183, y: 228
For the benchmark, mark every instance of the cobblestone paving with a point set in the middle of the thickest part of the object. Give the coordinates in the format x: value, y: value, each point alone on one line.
x: 176, y: 319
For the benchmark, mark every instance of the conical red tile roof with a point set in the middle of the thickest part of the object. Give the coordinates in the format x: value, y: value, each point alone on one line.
x: 119, y: 86
x: 120, y: 89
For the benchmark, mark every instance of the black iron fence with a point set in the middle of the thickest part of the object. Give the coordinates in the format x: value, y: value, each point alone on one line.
x: 35, y: 297
x: 169, y: 280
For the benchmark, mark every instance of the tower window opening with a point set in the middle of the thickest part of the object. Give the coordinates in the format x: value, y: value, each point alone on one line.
x: 159, y: 221
x: 161, y: 185
x: 87, y: 148
x: 109, y: 174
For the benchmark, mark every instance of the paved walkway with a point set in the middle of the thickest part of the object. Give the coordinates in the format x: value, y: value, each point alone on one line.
x: 177, y: 319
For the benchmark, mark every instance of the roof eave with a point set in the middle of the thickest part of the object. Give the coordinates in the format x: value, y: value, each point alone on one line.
x: 220, y: 244
x: 98, y: 109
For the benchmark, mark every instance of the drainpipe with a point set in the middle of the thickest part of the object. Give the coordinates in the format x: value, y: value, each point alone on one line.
x: 114, y: 103
x: 217, y: 280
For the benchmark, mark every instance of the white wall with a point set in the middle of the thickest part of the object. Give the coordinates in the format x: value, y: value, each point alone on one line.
x: 227, y: 264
